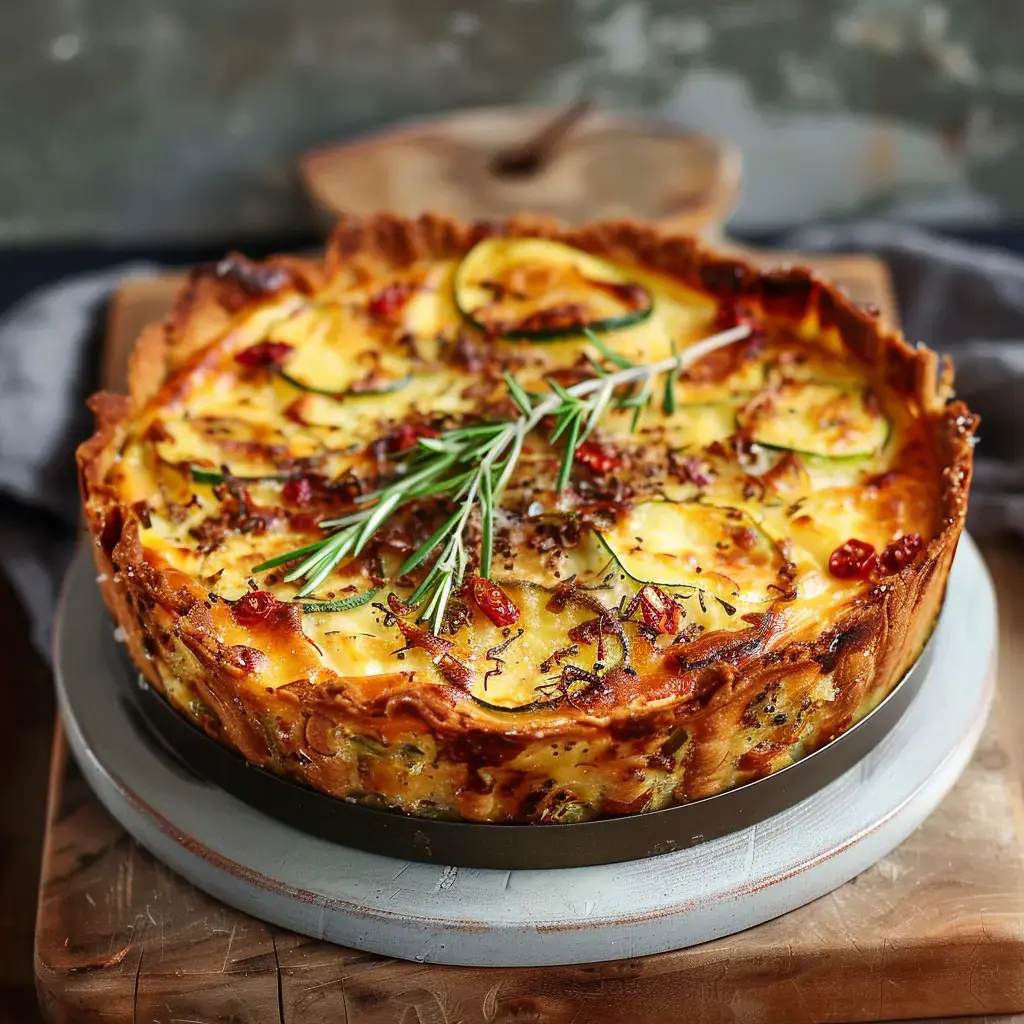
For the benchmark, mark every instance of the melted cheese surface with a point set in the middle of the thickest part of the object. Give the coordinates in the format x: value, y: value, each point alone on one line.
x: 690, y: 503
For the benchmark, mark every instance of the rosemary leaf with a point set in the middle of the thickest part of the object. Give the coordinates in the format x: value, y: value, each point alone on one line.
x: 290, y: 556
x: 355, y: 517
x: 562, y: 424
x: 433, y: 444
x: 668, y: 405
x: 559, y: 390
x: 434, y: 613
x: 510, y: 462
x: 519, y: 395
x: 486, y: 523
x: 445, y: 486
x: 424, y: 588
x: 377, y: 518
x: 344, y: 604
x: 569, y: 457
x: 420, y: 554
x: 331, y: 549
x: 640, y: 403
x: 598, y: 407
x: 609, y: 353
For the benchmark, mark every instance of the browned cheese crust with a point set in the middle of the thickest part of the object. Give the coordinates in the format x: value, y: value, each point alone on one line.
x: 727, y: 706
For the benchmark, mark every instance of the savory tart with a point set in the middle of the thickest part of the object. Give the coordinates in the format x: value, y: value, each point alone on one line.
x: 520, y: 524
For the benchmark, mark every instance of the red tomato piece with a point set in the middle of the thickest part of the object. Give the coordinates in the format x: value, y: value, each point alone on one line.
x: 492, y: 601
x: 265, y: 355
x: 901, y: 552
x: 659, y: 611
x: 732, y: 314
x: 390, y: 299
x: 598, y: 457
x: 254, y: 607
x: 298, y: 491
x: 405, y: 436
x: 853, y: 560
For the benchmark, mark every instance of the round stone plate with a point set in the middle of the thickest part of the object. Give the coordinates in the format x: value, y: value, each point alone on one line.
x: 485, y: 917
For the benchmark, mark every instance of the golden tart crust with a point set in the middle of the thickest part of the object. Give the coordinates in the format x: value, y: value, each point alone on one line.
x: 722, y: 705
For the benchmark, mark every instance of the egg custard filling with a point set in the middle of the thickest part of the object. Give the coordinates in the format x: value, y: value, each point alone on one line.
x: 524, y: 525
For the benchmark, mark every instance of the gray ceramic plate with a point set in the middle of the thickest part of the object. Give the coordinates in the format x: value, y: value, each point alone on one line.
x: 510, y: 847
x: 473, y: 916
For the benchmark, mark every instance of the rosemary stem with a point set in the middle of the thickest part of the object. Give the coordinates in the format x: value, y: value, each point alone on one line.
x: 644, y: 371
x: 496, y: 449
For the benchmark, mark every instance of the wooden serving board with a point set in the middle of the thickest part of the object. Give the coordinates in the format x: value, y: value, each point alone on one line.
x: 607, y: 166
x: 936, y: 929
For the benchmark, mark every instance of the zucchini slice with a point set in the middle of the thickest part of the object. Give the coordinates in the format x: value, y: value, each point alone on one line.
x: 369, y: 386
x: 832, y: 421
x: 331, y: 463
x: 248, y: 447
x: 205, y: 475
x: 517, y: 709
x: 690, y: 547
x: 337, y: 354
x: 323, y: 370
x: 539, y: 290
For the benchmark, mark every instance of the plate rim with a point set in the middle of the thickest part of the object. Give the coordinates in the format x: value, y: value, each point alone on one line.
x: 409, y: 929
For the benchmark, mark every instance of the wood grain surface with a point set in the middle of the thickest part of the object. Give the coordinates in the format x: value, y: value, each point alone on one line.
x: 936, y: 929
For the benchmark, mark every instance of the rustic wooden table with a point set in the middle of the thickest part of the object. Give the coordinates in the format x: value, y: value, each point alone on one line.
x: 936, y: 928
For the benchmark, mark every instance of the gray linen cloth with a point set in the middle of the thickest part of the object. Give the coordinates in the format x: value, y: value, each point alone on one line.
x: 964, y: 300
x: 49, y: 364
x: 967, y: 301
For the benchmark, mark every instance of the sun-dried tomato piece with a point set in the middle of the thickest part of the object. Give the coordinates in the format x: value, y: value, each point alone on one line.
x: 405, y: 436
x: 853, y: 560
x: 298, y: 491
x: 901, y: 552
x: 732, y: 314
x: 254, y: 607
x: 265, y: 355
x: 723, y: 362
x: 492, y: 601
x: 660, y: 613
x: 746, y: 538
x: 689, y: 468
x: 390, y: 300
x: 438, y: 650
x: 601, y: 458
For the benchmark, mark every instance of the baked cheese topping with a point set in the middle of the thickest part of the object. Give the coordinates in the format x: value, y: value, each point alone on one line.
x: 781, y: 478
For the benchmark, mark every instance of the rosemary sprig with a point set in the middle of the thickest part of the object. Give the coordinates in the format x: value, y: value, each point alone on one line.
x: 471, y: 466
x: 668, y: 403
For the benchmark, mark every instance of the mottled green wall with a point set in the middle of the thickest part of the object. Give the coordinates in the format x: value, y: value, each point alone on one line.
x: 184, y: 117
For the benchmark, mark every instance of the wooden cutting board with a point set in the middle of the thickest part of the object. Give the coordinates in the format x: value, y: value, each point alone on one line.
x: 936, y: 929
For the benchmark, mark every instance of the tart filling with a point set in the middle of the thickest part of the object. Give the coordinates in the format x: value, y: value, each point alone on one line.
x: 485, y: 526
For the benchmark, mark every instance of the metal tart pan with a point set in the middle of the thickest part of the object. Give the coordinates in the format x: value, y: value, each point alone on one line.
x: 519, y: 917
x: 484, y: 845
